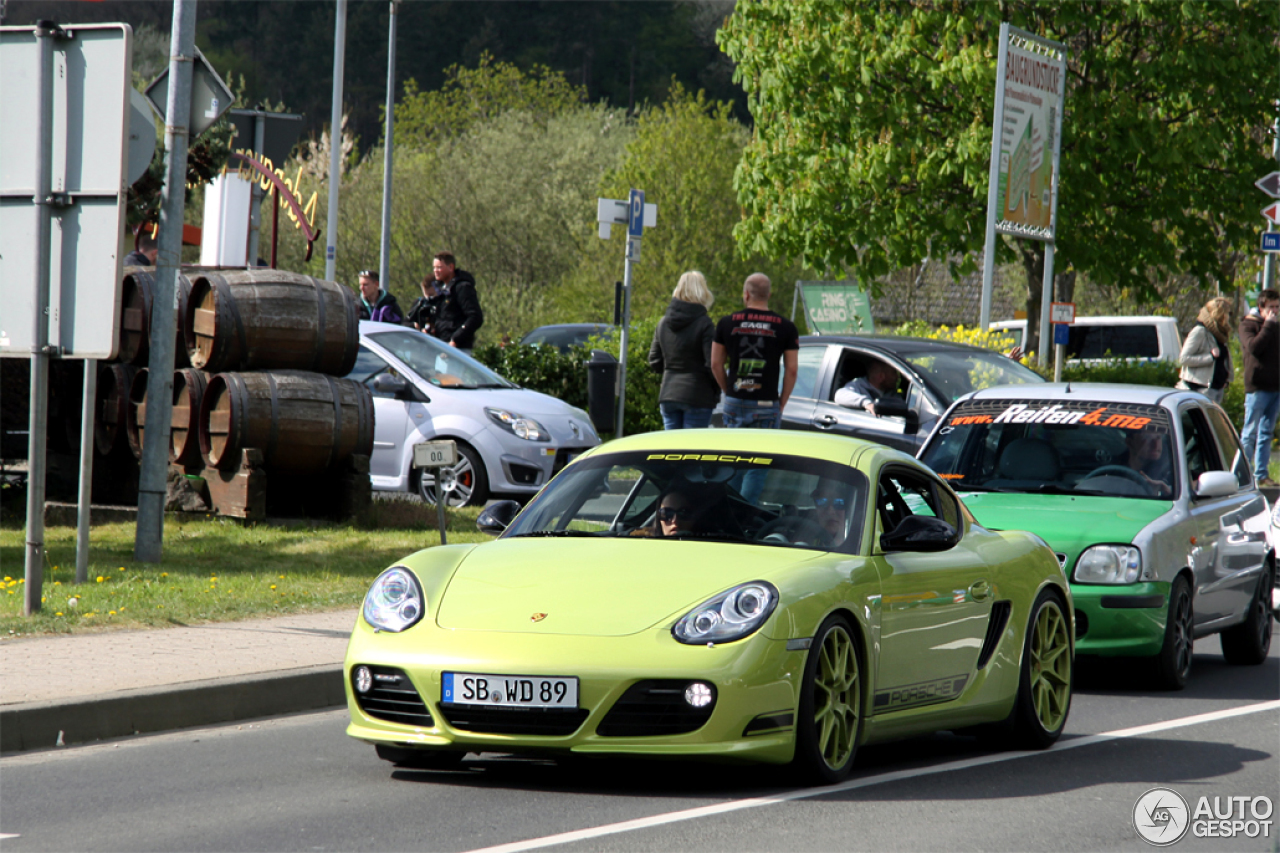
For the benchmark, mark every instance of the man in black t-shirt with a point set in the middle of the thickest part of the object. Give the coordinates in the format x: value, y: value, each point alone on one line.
x: 750, y: 344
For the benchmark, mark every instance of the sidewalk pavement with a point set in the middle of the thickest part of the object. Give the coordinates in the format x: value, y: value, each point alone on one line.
x: 88, y: 687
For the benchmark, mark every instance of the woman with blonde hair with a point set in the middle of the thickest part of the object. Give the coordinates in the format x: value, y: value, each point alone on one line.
x: 681, y: 352
x: 1205, y: 356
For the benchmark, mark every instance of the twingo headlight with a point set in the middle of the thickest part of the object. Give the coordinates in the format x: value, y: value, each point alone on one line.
x: 1112, y: 564
x: 395, y: 601
x: 729, y: 616
x: 519, y: 426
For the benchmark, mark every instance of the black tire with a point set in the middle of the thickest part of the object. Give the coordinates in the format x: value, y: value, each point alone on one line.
x: 1173, y: 662
x: 1046, y: 679
x: 1248, y: 643
x: 470, y: 475
x: 829, y: 722
x: 420, y: 759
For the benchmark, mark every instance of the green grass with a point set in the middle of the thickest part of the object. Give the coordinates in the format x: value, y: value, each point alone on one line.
x: 214, y: 569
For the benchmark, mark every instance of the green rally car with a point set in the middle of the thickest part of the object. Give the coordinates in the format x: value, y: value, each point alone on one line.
x: 1147, y: 500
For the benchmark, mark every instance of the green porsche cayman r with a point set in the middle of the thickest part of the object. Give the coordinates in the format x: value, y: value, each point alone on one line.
x: 748, y: 595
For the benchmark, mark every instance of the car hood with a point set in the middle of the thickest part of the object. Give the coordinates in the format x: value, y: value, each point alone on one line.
x: 522, y: 401
x: 605, y: 588
x: 1068, y: 523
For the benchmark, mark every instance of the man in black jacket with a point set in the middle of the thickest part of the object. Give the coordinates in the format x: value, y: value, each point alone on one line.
x: 459, y: 315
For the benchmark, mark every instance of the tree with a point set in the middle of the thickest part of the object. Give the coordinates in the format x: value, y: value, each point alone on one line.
x: 683, y: 156
x: 873, y: 128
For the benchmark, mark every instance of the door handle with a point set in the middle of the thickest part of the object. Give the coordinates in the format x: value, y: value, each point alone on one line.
x: 825, y: 421
x: 979, y: 590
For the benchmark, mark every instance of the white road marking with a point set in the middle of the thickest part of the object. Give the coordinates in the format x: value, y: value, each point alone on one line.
x: 4, y: 835
x: 866, y: 782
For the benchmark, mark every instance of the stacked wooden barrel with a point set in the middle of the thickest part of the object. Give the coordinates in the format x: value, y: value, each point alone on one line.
x: 258, y: 396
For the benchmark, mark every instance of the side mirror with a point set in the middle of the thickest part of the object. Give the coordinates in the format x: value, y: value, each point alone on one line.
x: 920, y: 533
x: 892, y: 407
x: 497, y: 517
x: 1216, y: 484
x: 385, y: 383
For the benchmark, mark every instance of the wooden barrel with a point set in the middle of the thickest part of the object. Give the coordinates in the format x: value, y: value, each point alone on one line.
x: 271, y: 320
x: 184, y: 423
x: 135, y: 316
x: 136, y: 412
x: 114, y: 382
x: 300, y: 421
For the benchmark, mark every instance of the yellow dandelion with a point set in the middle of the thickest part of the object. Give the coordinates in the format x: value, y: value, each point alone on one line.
x: 273, y: 586
x: 101, y: 578
x: 111, y: 613
x: 7, y: 578
x: 59, y: 613
x: 122, y: 568
x: 164, y: 574
x: 57, y: 583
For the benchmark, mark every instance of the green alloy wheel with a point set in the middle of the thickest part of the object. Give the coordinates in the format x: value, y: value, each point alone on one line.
x: 1044, y: 695
x: 830, y: 718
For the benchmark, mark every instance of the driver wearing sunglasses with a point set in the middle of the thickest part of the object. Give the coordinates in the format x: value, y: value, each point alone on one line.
x: 831, y: 511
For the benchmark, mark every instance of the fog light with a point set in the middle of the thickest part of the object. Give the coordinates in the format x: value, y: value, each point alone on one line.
x: 364, y: 679
x: 698, y: 694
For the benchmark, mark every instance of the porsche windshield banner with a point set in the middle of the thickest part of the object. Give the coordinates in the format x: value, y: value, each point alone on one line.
x: 1031, y: 82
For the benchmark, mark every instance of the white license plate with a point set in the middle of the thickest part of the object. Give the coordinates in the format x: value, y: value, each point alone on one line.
x: 510, y: 691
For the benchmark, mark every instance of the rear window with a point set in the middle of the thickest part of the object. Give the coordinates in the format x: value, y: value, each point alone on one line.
x: 1078, y: 447
x: 1113, y: 342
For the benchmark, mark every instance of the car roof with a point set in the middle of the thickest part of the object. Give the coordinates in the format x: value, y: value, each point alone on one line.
x: 893, y: 343
x: 368, y: 327
x: 1105, y: 320
x: 1102, y: 392
x: 834, y: 448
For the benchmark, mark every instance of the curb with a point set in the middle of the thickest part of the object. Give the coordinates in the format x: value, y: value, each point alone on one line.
x: 37, y: 725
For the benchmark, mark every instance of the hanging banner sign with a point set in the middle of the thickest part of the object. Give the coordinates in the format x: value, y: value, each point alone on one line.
x: 836, y: 307
x: 1031, y: 84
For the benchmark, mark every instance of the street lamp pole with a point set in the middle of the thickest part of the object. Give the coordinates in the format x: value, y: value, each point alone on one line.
x: 384, y: 263
x: 335, y: 139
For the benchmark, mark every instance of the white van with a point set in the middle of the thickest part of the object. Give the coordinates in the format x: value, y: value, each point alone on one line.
x: 1097, y: 339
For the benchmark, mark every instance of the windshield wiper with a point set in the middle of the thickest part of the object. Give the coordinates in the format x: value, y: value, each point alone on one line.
x: 548, y: 533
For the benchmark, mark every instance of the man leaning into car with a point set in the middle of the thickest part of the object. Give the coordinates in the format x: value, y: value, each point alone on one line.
x: 865, y: 391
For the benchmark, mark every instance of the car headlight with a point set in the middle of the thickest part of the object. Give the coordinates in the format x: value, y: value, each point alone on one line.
x: 729, y: 616
x: 1109, y: 564
x: 520, y: 427
x: 395, y: 601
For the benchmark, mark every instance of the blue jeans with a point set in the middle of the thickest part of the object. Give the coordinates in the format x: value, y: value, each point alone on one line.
x: 683, y: 416
x: 749, y: 414
x: 1260, y: 410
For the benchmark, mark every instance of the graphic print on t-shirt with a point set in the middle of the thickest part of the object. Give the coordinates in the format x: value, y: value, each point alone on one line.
x: 754, y: 342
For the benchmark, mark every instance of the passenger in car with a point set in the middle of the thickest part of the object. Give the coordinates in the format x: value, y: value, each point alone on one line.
x: 865, y: 391
x: 1146, y: 453
x: 832, y: 502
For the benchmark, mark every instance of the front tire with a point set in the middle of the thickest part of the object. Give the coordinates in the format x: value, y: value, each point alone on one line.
x: 471, y: 482
x: 829, y: 719
x: 1248, y: 643
x: 1045, y: 683
x: 1173, y: 663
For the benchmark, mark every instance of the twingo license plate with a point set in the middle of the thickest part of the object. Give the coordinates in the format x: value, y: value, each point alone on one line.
x: 510, y: 691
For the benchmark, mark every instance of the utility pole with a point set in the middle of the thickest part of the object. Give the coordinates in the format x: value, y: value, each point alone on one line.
x: 384, y: 263
x: 1269, y: 266
x: 152, y: 483
x: 335, y: 139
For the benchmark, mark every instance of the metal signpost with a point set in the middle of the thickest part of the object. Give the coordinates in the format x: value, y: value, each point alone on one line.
x: 63, y: 155
x: 1026, y: 138
x: 335, y: 137
x: 637, y: 216
x: 388, y: 148
x: 1062, y: 315
x: 437, y: 455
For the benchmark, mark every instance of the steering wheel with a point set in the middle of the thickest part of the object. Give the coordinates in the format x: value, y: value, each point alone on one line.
x: 790, y: 529
x: 1122, y: 471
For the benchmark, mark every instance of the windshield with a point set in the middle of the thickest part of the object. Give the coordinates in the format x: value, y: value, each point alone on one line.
x: 438, y: 363
x: 780, y: 501
x: 955, y: 373
x: 1077, y: 447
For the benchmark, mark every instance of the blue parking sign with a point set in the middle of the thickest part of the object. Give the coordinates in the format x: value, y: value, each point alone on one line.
x: 635, y: 214
x: 1271, y: 241
x: 1061, y: 334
